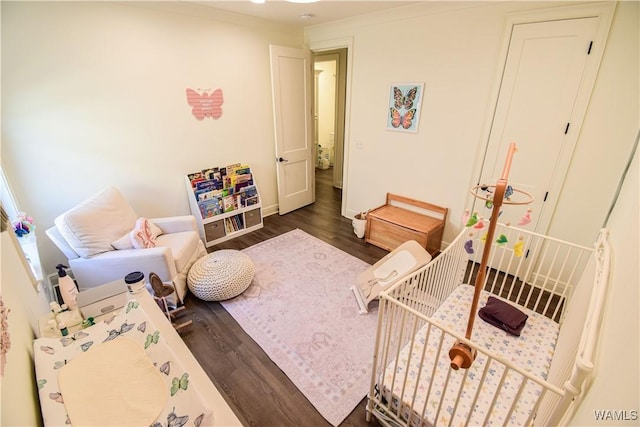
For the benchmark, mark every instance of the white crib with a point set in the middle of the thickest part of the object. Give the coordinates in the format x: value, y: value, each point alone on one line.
x: 534, y: 379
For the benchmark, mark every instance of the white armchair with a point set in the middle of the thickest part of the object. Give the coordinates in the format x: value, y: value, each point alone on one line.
x: 90, y: 233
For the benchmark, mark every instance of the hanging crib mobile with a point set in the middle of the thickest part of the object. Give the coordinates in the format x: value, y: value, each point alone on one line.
x: 494, y: 196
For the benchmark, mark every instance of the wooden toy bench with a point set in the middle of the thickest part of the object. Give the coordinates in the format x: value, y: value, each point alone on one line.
x: 401, y: 219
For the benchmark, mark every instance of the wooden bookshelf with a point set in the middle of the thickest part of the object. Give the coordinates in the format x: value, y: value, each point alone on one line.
x: 225, y: 201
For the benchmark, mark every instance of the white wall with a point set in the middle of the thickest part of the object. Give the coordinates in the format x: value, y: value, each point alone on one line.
x: 611, y: 123
x: 616, y: 386
x: 100, y: 100
x: 455, y: 49
x: 18, y: 394
x: 93, y: 94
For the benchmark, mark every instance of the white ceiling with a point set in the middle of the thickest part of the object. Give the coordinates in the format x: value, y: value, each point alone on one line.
x: 323, y: 11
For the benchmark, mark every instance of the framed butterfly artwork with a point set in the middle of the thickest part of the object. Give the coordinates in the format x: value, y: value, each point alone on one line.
x: 403, y: 113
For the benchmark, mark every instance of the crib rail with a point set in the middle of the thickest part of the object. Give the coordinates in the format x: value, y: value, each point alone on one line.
x: 422, y: 401
x: 575, y: 375
x: 532, y: 270
x: 540, y: 273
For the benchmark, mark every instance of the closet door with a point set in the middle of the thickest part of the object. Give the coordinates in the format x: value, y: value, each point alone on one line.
x: 542, y: 86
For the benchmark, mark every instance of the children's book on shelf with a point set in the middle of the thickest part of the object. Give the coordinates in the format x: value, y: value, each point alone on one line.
x: 212, y: 173
x: 210, y: 207
x: 250, y: 201
x: 231, y: 169
x: 250, y: 195
x: 234, y: 223
x: 194, y: 175
x: 240, y: 200
x: 223, y: 199
x: 241, y: 181
x: 219, y: 190
x: 210, y: 191
x: 209, y: 184
x: 238, y: 169
x: 196, y: 180
x: 208, y: 195
x: 227, y: 203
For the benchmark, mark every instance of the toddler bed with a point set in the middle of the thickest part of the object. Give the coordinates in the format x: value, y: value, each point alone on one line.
x: 532, y: 379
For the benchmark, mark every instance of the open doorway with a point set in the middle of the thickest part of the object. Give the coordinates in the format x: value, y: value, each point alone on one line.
x: 330, y: 94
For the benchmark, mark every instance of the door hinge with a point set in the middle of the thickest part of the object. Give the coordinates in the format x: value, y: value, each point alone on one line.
x: 590, y: 46
x: 545, y: 196
x: 566, y: 130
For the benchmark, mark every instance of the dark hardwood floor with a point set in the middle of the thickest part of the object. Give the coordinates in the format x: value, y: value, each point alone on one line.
x: 256, y: 389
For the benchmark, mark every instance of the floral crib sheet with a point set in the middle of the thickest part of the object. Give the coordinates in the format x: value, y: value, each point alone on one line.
x: 532, y: 352
x: 184, y: 407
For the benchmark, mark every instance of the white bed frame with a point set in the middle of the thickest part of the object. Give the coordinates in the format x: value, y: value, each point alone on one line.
x: 575, y: 276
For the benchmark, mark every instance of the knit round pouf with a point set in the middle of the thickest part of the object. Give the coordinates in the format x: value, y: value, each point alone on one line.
x: 220, y: 275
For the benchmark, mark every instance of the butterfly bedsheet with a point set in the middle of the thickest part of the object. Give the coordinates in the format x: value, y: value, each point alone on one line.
x: 532, y: 351
x: 184, y: 407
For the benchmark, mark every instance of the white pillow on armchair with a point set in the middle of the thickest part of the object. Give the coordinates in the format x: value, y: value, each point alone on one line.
x: 90, y: 227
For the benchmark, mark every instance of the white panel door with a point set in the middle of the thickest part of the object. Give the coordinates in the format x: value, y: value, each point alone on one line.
x: 292, y: 86
x: 543, y: 76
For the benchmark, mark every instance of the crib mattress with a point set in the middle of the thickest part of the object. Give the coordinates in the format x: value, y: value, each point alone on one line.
x: 184, y: 404
x: 532, y: 352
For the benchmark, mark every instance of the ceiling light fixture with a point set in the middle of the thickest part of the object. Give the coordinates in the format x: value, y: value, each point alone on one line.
x: 303, y: 1
x: 258, y: 1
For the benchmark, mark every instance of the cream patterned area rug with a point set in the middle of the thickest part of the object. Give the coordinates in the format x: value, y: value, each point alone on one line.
x: 300, y: 310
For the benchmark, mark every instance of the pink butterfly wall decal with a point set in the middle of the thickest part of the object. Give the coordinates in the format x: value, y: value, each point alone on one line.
x: 205, y: 105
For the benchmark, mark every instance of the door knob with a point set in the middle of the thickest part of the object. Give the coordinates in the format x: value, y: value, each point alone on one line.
x: 281, y: 159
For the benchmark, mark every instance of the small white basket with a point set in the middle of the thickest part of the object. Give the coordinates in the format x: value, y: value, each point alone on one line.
x: 359, y: 224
